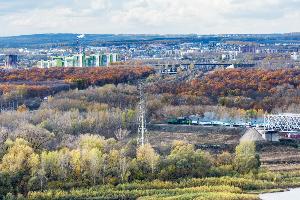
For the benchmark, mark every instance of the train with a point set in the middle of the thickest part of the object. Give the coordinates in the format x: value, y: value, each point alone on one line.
x: 199, y: 121
x: 180, y: 120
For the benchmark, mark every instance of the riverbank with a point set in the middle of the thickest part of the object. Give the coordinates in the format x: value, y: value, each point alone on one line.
x: 225, y: 188
x: 292, y: 194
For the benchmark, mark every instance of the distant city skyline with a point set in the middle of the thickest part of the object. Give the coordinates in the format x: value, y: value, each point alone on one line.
x: 149, y: 16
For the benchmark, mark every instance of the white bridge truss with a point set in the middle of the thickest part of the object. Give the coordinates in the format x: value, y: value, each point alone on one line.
x: 282, y: 122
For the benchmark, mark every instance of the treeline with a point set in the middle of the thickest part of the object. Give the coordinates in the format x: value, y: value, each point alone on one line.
x: 105, y: 111
x: 242, y: 88
x: 95, y: 75
x: 83, y: 138
x: 29, y: 86
x: 247, y: 89
x: 108, y: 111
x: 96, y: 161
x: 23, y: 92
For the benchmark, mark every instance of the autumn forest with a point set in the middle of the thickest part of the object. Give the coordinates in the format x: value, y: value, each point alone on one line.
x: 73, y: 133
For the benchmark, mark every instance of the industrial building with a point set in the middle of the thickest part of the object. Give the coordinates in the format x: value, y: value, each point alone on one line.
x: 80, y: 60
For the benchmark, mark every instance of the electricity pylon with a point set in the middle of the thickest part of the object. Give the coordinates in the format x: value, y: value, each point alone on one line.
x: 142, y: 118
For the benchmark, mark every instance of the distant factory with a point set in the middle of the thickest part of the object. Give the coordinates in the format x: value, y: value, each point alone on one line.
x: 80, y: 60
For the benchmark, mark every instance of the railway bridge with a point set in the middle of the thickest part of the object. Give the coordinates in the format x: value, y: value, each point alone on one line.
x: 205, y: 67
x: 287, y: 123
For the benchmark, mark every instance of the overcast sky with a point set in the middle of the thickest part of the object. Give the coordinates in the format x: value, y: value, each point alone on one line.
x: 149, y: 16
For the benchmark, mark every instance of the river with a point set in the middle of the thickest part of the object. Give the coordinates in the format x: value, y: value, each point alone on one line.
x: 293, y: 194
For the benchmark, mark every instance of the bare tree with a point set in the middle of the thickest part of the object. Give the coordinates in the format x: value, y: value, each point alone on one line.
x: 121, y: 134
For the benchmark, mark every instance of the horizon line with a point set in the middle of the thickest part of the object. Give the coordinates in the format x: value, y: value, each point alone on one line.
x: 152, y: 34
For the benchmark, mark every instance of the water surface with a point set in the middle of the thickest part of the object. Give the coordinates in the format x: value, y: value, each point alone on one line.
x: 293, y: 194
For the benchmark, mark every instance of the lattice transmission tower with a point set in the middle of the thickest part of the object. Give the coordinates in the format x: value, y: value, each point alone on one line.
x: 142, y: 129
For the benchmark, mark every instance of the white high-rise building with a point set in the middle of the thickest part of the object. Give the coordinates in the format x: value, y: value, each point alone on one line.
x: 80, y: 60
x: 295, y: 56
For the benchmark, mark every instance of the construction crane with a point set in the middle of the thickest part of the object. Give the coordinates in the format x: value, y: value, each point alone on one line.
x: 79, y: 41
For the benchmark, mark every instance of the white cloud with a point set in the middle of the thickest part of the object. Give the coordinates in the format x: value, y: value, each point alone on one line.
x: 149, y: 16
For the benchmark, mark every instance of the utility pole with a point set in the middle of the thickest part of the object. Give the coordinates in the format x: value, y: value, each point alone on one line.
x: 142, y: 119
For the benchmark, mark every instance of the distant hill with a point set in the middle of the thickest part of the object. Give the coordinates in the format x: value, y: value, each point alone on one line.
x: 62, y: 39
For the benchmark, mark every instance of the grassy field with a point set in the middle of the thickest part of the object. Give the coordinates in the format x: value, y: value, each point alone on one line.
x: 190, y: 189
x: 225, y: 188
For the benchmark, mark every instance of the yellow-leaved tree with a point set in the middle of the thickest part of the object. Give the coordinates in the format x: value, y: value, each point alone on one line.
x: 246, y: 159
x: 146, y: 156
x: 19, y: 157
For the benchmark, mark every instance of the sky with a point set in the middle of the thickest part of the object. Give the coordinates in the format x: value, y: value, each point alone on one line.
x: 18, y: 17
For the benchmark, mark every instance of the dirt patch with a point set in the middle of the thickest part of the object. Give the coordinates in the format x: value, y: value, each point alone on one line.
x: 213, y: 142
x: 282, y: 157
x: 192, y: 138
x: 196, y: 129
